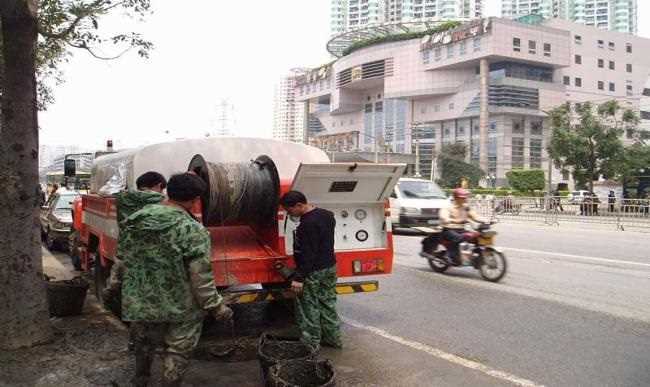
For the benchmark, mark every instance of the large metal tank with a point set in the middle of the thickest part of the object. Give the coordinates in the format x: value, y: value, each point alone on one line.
x: 115, y: 172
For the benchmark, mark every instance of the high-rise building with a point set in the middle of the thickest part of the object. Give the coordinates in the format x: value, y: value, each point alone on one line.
x: 347, y: 15
x: 289, y: 115
x: 613, y: 15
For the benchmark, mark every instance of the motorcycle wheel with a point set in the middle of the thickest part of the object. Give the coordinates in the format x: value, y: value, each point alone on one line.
x: 438, y: 265
x: 493, y: 265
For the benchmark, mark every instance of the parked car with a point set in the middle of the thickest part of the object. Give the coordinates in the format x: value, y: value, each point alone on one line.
x: 56, y: 219
x: 416, y: 202
x: 578, y: 197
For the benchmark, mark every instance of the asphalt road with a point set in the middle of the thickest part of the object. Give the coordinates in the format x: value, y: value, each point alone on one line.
x: 574, y: 309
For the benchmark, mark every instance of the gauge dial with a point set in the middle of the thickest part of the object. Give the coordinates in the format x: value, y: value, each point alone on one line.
x: 344, y: 214
x: 361, y: 235
x: 360, y: 214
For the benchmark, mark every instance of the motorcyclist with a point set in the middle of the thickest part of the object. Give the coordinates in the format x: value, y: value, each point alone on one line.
x: 453, y: 221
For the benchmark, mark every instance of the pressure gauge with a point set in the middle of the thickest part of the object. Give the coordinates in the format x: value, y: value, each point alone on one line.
x: 362, y: 235
x: 360, y: 214
x: 344, y: 214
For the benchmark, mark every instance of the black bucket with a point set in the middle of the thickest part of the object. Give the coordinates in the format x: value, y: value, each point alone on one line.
x: 66, y: 298
x: 302, y: 373
x: 274, y: 349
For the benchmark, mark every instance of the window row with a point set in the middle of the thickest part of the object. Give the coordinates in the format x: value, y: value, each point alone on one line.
x: 601, y: 63
x: 601, y: 44
x: 532, y: 47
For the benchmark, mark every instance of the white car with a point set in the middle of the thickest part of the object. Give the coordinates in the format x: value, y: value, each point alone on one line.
x: 416, y: 203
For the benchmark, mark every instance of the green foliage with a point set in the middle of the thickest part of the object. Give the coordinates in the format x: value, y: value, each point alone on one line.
x: 637, y: 157
x: 400, y: 37
x: 66, y: 25
x: 453, y: 168
x: 526, y: 180
x: 587, y: 142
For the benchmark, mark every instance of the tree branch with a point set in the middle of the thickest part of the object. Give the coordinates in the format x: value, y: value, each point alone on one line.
x: 91, y: 52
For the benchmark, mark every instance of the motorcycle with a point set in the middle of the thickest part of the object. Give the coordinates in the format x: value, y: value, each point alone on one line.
x: 477, y: 250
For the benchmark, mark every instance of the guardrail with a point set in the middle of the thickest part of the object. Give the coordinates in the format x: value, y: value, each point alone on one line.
x: 622, y: 214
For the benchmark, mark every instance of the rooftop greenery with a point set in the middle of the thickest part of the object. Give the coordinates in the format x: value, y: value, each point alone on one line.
x: 400, y: 37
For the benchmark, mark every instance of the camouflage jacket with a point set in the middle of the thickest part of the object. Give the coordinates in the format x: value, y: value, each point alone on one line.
x: 128, y: 202
x: 168, y: 271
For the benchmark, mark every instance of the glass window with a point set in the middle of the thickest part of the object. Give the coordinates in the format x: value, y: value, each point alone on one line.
x: 437, y: 53
x: 532, y: 47
x: 379, y: 106
x: 577, y: 39
x: 628, y: 48
x: 567, y: 80
x: 601, y: 63
x: 477, y: 44
x: 518, y: 126
x: 628, y: 90
x: 516, y: 44
x: 535, y: 153
x: 578, y: 59
x: 578, y: 82
x: 645, y: 115
x: 368, y: 108
x: 450, y: 51
x: 426, y: 54
x: 517, y: 152
x: 646, y: 92
x: 612, y: 86
x: 612, y: 46
x: 547, y: 49
x: 612, y: 65
x: 601, y: 85
x: 601, y: 43
x: 536, y: 127
x: 628, y: 67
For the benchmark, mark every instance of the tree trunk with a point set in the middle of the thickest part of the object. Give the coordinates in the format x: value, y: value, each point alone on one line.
x: 24, y: 319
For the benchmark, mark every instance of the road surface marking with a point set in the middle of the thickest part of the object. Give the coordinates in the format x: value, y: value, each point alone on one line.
x: 595, y: 259
x: 445, y: 356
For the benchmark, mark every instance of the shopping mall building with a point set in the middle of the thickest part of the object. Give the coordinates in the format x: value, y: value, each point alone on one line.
x: 487, y: 83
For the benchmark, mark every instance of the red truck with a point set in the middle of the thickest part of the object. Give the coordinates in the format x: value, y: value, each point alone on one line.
x: 252, y: 238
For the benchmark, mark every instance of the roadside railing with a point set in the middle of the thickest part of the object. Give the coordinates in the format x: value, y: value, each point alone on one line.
x: 622, y: 214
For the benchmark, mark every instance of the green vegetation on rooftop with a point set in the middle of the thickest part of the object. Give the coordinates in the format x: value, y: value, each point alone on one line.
x: 399, y: 37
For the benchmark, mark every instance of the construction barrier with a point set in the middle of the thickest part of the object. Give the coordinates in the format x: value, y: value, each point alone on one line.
x: 625, y: 214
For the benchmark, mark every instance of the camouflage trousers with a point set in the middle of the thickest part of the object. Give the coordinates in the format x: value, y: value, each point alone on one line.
x: 316, y: 314
x: 176, y: 339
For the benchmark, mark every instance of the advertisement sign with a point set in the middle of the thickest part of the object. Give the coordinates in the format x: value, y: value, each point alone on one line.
x: 475, y: 28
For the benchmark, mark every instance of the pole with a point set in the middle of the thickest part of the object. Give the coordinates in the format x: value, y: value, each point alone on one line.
x: 433, y: 167
x: 417, y: 158
x: 376, y: 150
x: 484, y: 115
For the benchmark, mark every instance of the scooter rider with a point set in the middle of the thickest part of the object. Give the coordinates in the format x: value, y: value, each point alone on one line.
x: 453, y: 221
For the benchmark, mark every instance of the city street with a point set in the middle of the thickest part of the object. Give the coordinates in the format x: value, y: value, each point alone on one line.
x: 572, y: 311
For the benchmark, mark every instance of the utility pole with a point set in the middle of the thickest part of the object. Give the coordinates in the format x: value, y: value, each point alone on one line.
x: 417, y: 158
x: 376, y: 149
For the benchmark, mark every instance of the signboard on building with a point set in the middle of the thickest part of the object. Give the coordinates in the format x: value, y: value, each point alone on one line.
x: 315, y: 75
x: 469, y: 30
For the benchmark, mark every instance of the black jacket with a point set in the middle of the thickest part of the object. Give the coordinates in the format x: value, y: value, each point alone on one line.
x: 313, y: 243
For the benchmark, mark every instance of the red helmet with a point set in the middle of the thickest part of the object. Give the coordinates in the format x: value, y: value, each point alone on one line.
x: 460, y: 193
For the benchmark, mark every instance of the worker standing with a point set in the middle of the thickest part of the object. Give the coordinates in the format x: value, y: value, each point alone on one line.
x: 150, y: 187
x: 168, y: 283
x: 315, y: 279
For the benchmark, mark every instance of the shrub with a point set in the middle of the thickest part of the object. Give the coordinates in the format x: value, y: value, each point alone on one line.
x: 526, y: 180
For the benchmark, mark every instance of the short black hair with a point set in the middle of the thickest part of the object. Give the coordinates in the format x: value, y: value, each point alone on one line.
x: 184, y: 187
x: 292, y: 198
x: 150, y: 179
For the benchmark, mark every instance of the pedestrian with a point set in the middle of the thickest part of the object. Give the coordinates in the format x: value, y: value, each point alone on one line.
x: 315, y: 278
x: 150, y: 187
x: 168, y: 284
x: 611, y: 200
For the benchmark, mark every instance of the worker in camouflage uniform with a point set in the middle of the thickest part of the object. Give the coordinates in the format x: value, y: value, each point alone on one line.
x: 168, y: 283
x: 150, y: 187
x: 315, y: 278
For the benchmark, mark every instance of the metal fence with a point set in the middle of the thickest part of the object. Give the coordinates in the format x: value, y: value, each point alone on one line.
x: 623, y: 214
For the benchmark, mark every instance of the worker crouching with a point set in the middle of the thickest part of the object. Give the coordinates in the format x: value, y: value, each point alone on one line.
x: 168, y: 283
x: 315, y: 278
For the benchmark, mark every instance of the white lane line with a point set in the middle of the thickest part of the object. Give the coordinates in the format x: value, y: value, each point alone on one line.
x: 586, y: 258
x: 510, y: 378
